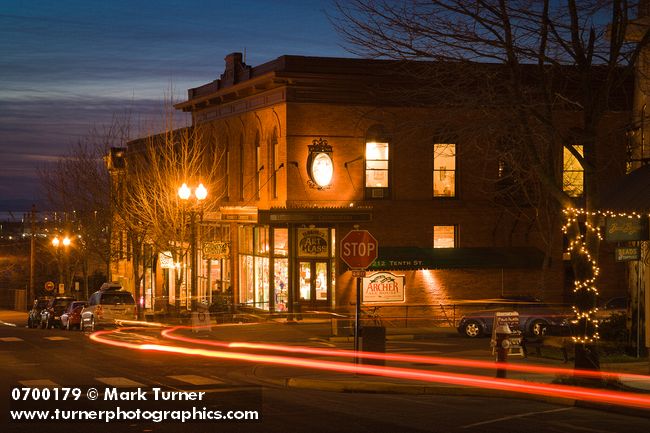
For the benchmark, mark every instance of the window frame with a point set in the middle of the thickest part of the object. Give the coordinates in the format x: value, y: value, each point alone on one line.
x: 568, y: 188
x: 455, y: 233
x: 436, y: 172
x: 377, y: 135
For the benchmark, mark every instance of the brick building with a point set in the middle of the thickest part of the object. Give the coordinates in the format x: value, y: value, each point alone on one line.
x: 315, y: 146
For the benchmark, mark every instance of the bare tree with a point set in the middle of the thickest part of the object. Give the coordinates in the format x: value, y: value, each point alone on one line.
x: 77, y: 188
x: 148, y: 208
x: 522, y: 62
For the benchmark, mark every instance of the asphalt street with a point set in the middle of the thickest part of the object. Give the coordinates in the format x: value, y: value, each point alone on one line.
x: 35, y: 358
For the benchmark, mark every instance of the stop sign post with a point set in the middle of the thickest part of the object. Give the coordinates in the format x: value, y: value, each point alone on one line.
x: 358, y: 251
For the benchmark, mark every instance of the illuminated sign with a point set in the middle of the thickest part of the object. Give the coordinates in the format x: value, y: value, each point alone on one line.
x: 319, y: 164
x: 313, y: 242
x: 628, y: 254
x: 383, y: 287
x: 166, y: 260
x: 216, y: 250
x: 622, y: 229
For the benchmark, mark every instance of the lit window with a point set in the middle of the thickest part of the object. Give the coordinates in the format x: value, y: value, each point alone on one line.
x: 573, y: 173
x: 444, y: 236
x: 376, y: 165
x: 444, y: 170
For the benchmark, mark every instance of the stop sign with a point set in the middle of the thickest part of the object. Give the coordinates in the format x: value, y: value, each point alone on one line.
x: 358, y: 249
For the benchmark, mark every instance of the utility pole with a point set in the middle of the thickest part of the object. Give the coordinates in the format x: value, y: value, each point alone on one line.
x: 32, y: 258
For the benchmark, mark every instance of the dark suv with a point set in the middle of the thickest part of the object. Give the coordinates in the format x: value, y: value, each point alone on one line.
x: 535, y: 317
x: 51, y: 314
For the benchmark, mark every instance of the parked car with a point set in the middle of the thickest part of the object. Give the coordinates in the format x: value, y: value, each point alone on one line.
x: 535, y: 318
x: 107, y: 306
x: 71, y: 318
x: 618, y: 305
x: 34, y: 315
x: 51, y: 314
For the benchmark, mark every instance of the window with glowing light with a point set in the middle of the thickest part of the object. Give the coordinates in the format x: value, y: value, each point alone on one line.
x: 377, y: 165
x: 444, y: 170
x: 444, y: 236
x: 573, y: 174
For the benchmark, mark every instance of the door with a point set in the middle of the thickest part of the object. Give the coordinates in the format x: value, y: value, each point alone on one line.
x: 313, y: 284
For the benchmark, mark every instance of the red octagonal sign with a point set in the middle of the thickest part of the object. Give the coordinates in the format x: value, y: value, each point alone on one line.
x: 359, y: 249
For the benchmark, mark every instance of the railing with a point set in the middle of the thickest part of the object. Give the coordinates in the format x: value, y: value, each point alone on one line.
x: 391, y: 316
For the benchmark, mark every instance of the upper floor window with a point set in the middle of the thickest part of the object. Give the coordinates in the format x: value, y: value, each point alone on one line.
x: 226, y: 179
x: 573, y: 174
x: 444, y: 236
x: 377, y: 163
x: 275, y: 158
x: 258, y: 166
x: 444, y: 170
x: 241, y: 167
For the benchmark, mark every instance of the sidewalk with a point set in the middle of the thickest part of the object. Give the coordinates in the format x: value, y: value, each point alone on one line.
x: 318, y: 334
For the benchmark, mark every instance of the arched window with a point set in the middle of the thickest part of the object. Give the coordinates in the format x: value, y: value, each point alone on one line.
x: 377, y: 163
x: 241, y: 167
x: 275, y: 158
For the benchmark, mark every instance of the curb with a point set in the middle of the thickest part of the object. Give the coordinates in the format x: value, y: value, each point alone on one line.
x: 365, y: 387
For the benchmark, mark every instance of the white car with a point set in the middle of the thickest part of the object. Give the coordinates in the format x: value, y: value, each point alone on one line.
x: 107, y: 306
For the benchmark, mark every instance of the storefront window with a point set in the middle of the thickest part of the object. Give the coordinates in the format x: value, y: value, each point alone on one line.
x: 261, y: 240
x: 246, y: 240
x: 247, y: 275
x: 281, y: 242
x: 321, y: 281
x: 305, y: 281
x: 261, y: 282
x: 280, y: 284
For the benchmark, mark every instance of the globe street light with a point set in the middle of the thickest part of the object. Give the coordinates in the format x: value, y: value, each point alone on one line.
x: 199, y: 194
x: 57, y: 244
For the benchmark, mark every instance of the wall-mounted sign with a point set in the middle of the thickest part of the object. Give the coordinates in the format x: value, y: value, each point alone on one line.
x: 49, y: 286
x: 627, y: 254
x: 622, y: 229
x: 320, y: 166
x: 166, y: 260
x: 383, y: 287
x: 216, y: 250
x: 313, y: 242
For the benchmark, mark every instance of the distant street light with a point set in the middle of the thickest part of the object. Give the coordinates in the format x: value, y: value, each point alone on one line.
x: 200, y: 193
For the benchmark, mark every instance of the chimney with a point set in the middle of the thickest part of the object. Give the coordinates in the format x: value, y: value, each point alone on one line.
x: 236, y: 70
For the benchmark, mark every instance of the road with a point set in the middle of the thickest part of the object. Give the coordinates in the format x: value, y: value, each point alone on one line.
x: 56, y: 358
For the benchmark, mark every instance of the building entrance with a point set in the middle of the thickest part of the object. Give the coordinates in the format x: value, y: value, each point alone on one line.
x: 314, y: 284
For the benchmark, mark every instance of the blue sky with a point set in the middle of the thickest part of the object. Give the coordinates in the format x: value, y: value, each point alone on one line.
x: 66, y: 65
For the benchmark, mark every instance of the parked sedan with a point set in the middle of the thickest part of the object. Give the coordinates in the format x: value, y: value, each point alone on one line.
x: 71, y: 318
x: 51, y: 315
x: 535, y: 319
x: 34, y: 315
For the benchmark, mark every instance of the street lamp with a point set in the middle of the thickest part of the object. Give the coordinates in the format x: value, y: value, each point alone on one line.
x: 199, y: 194
x: 57, y: 244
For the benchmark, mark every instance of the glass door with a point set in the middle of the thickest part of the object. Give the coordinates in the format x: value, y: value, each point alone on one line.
x: 313, y: 284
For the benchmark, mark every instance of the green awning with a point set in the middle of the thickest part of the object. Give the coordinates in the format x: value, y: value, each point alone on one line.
x: 414, y: 258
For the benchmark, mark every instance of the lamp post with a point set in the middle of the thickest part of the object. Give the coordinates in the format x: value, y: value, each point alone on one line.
x: 58, y: 244
x: 197, y: 194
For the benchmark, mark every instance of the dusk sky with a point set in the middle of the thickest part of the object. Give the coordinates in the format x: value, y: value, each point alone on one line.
x: 67, y: 65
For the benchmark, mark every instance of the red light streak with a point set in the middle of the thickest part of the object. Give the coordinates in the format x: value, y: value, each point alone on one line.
x: 518, y: 386
x: 457, y: 362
